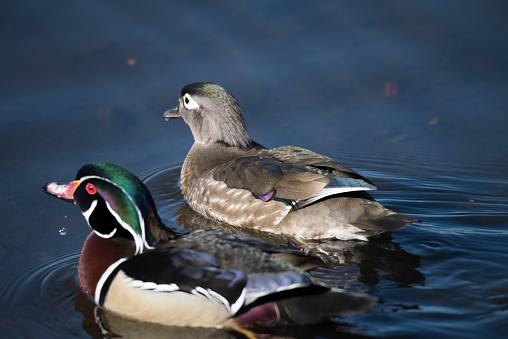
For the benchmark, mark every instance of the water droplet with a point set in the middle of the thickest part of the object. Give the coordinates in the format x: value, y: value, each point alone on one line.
x: 62, y: 231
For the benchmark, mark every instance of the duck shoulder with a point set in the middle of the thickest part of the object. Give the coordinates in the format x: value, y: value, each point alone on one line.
x: 290, y: 173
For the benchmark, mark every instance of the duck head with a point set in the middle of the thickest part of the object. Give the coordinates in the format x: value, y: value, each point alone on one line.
x: 212, y: 114
x: 115, y: 203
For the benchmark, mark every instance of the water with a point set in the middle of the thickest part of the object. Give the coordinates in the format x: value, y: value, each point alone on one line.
x: 411, y: 94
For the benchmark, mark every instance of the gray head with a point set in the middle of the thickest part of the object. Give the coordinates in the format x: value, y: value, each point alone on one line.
x: 212, y: 114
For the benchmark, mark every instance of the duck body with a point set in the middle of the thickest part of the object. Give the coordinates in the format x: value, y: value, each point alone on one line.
x: 144, y: 271
x: 287, y: 190
x: 202, y: 279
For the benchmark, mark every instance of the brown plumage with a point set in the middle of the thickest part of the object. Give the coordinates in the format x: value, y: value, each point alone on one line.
x: 286, y: 190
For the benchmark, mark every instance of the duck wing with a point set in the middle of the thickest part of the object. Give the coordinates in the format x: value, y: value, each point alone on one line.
x: 290, y: 173
x: 231, y: 273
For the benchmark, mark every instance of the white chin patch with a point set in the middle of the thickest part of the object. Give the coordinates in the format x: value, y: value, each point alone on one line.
x: 89, y: 211
x: 106, y: 236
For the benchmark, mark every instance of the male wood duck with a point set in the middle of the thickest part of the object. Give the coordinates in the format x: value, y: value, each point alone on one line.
x: 134, y: 266
x: 287, y: 190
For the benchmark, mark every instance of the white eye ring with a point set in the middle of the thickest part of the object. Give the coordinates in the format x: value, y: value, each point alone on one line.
x: 189, y: 102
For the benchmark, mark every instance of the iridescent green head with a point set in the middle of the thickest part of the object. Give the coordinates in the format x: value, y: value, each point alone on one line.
x: 115, y: 203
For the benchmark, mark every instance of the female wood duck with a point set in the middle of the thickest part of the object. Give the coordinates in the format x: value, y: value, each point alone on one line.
x: 286, y: 190
x: 134, y: 266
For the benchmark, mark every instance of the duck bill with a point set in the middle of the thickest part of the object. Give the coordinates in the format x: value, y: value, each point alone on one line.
x: 62, y: 191
x: 172, y: 114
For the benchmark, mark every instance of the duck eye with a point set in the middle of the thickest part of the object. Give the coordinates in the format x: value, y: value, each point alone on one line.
x: 189, y: 102
x: 91, y: 189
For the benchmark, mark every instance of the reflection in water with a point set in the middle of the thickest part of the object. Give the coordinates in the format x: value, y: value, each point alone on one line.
x: 370, y: 262
x: 99, y: 323
x: 50, y: 290
x: 413, y: 94
x: 87, y: 307
x: 353, y: 265
x: 38, y: 295
x: 379, y: 254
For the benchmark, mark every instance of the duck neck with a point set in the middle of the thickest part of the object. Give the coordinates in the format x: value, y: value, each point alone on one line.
x: 159, y: 233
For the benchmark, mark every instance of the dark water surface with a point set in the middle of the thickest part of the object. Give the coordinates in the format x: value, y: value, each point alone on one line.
x: 412, y: 94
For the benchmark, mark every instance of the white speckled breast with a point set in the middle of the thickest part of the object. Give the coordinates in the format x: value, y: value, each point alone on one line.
x: 339, y: 217
x: 237, y: 207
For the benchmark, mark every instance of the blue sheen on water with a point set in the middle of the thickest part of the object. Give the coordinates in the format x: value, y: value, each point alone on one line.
x: 411, y: 94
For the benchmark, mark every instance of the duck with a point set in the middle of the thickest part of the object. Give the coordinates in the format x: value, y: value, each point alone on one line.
x: 287, y: 190
x: 135, y: 267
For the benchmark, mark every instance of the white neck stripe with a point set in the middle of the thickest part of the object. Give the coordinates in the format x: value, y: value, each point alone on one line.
x: 106, y: 236
x: 137, y: 240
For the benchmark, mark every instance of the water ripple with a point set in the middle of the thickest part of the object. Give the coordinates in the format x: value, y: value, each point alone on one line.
x: 460, y: 242
x: 43, y: 290
x: 163, y: 181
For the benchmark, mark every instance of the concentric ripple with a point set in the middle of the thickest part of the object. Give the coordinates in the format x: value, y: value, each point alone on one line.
x: 163, y: 181
x: 41, y: 289
x: 460, y: 245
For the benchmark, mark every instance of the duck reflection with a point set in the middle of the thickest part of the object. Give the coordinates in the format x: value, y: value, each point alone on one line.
x: 99, y: 323
x: 352, y: 265
x: 368, y: 262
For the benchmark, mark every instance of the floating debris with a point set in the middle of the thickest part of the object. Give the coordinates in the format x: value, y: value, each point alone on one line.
x: 391, y: 89
x: 131, y: 62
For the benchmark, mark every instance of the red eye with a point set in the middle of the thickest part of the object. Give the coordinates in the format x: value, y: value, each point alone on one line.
x: 91, y: 189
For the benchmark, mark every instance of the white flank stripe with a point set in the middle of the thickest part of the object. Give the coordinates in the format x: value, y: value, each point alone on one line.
x: 218, y: 298
x: 166, y: 288
x: 148, y: 286
x: 153, y: 286
x: 104, y: 277
x: 231, y: 308
x: 239, y: 302
x: 136, y: 283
